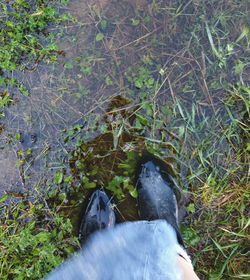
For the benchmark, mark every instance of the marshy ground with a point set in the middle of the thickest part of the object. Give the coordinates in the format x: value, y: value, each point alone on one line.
x: 87, y: 85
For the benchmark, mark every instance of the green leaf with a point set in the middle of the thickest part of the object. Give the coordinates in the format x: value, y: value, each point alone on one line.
x: 79, y: 164
x: 161, y: 72
x: 62, y: 196
x: 90, y: 185
x: 2, y: 80
x: 141, y: 119
x: 239, y: 67
x: 191, y: 208
x: 181, y: 130
x: 58, y: 178
x: 150, y: 82
x: 69, y: 64
x: 23, y: 90
x: 60, y: 236
x: 53, y: 47
x: 4, y: 101
x: 3, y: 197
x: 68, y: 179
x: 115, y: 186
x: 134, y: 21
x: 133, y: 193
x: 190, y: 236
x: 139, y: 83
x: 43, y: 236
x: 248, y: 147
x: 210, y: 38
x: 108, y: 81
x: 99, y: 36
x: 18, y: 136
x: 243, y: 34
x: 104, y: 24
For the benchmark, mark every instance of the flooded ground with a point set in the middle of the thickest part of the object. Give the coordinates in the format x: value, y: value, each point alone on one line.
x: 168, y: 77
x: 126, y: 67
x: 78, y: 89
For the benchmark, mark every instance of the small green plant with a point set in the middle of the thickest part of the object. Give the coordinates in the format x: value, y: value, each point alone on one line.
x: 23, y: 30
x: 141, y: 78
x: 5, y: 99
x: 33, y: 240
x: 119, y: 184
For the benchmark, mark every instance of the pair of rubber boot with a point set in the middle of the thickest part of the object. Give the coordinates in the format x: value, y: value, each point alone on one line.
x: 157, y: 199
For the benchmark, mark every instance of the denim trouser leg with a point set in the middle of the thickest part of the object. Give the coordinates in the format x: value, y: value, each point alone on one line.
x: 131, y: 250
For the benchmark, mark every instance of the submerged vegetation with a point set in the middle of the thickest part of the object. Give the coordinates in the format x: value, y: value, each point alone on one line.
x: 24, y: 29
x: 171, y: 79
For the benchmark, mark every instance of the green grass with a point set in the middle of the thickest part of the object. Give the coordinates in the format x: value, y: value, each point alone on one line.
x: 33, y: 239
x: 171, y: 79
x: 24, y: 39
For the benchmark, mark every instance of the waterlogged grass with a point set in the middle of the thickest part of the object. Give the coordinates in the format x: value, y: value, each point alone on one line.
x: 34, y: 238
x: 25, y: 40
x: 171, y: 79
x: 218, y: 222
x: 187, y: 100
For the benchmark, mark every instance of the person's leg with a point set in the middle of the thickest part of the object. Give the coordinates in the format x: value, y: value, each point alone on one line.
x: 130, y: 250
x: 157, y: 200
x: 187, y: 269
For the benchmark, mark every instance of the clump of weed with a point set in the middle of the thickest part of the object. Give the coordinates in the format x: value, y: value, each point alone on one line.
x: 218, y: 231
x: 34, y: 239
x: 5, y: 100
x: 24, y: 28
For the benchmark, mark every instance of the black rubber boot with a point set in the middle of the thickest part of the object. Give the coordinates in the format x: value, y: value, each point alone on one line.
x: 98, y: 215
x: 157, y: 193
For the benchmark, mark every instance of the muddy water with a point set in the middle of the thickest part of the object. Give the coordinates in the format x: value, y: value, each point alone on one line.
x: 40, y: 118
x: 79, y: 89
x: 59, y: 99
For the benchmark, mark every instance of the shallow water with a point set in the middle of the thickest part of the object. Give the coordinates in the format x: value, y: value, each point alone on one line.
x: 79, y: 89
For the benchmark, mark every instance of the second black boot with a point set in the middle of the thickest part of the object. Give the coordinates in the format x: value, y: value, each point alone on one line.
x: 157, y: 193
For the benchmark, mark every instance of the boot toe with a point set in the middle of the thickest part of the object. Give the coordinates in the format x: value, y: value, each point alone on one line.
x: 98, y: 215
